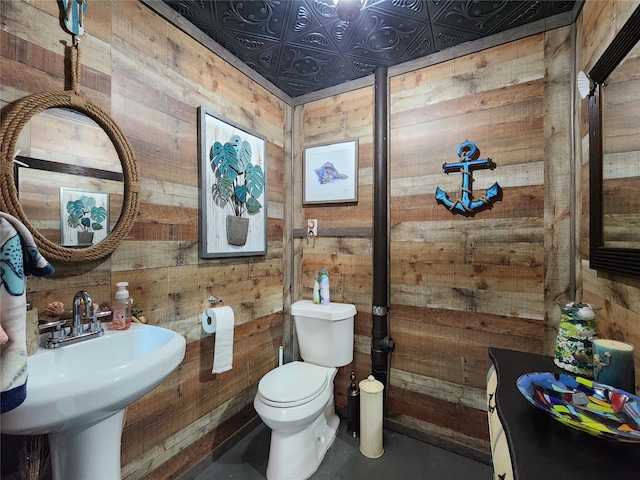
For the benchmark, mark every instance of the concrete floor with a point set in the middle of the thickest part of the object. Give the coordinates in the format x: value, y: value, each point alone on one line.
x: 404, y: 458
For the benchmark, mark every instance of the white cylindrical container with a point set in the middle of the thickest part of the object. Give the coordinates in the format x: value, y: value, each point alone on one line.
x: 371, y: 398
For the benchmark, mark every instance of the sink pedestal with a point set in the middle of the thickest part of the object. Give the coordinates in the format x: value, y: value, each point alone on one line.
x: 81, y: 409
x: 88, y: 452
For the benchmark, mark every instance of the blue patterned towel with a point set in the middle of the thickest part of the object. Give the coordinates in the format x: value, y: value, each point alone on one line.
x: 19, y: 258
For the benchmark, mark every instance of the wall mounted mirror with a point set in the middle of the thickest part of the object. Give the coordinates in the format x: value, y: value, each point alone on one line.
x: 614, y: 155
x: 58, y: 149
x: 63, y: 156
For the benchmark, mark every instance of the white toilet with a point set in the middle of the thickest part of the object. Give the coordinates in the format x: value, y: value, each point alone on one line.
x: 295, y: 400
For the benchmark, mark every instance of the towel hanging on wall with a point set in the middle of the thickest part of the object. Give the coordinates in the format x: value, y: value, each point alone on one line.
x: 19, y: 257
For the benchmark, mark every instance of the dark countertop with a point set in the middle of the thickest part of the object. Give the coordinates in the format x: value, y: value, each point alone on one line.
x: 542, y: 447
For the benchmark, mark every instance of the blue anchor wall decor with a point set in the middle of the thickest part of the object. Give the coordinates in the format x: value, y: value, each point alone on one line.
x: 74, y: 12
x: 467, y: 206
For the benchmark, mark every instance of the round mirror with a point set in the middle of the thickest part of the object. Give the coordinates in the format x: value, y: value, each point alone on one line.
x: 69, y: 174
x: 69, y: 178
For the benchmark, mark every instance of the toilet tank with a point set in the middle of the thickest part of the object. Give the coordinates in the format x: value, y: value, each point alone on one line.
x: 325, y: 332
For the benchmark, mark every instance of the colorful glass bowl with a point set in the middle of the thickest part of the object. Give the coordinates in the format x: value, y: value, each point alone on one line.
x: 585, y: 405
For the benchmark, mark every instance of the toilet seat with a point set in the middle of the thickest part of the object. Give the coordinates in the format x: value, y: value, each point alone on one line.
x: 292, y: 384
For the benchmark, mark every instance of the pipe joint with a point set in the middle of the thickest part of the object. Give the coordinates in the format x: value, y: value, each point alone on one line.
x: 386, y: 344
x: 379, y: 311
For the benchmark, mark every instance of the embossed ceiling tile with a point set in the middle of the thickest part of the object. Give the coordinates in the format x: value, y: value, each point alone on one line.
x: 255, y: 51
x: 264, y: 18
x: 301, y: 46
x: 444, y: 37
x: 525, y: 13
x: 553, y: 7
x: 420, y: 46
x: 198, y: 12
x: 190, y: 9
x: 422, y: 43
x: 383, y: 38
x: 471, y: 17
x: 305, y: 64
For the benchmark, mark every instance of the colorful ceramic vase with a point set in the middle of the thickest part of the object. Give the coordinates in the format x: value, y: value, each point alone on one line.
x: 574, y: 343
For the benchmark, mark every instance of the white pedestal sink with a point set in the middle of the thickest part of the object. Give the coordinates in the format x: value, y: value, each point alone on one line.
x: 77, y: 395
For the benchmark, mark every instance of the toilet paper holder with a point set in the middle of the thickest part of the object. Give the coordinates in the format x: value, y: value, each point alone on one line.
x: 213, y: 300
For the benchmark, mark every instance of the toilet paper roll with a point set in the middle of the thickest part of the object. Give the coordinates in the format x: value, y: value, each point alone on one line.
x: 220, y: 321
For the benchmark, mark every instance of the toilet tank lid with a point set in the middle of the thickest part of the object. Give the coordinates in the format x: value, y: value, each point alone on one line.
x: 333, y: 311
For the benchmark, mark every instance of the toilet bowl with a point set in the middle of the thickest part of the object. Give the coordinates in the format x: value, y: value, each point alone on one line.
x: 303, y: 426
x: 296, y: 401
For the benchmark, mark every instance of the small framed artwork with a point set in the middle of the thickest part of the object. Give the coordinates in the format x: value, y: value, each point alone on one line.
x: 84, y: 217
x: 233, y: 188
x: 330, y: 173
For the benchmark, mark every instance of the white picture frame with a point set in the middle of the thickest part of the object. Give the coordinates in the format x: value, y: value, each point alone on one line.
x: 330, y: 173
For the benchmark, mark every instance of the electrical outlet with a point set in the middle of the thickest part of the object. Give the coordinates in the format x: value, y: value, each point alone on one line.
x: 312, y: 227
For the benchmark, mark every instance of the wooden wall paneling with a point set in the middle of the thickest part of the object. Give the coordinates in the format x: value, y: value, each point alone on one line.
x: 449, y: 419
x: 560, y: 269
x: 290, y: 213
x: 484, y: 266
x: 46, y: 72
x: 347, y: 256
x: 601, y: 21
x: 449, y: 290
x: 203, y: 435
x: 461, y: 284
x: 295, y: 247
x: 617, y: 295
x: 152, y: 78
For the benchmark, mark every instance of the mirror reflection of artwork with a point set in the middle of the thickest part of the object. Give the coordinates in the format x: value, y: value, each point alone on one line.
x: 62, y: 148
x: 84, y: 217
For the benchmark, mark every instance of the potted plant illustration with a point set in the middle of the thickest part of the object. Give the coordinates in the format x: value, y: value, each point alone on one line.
x: 85, y: 215
x: 239, y: 184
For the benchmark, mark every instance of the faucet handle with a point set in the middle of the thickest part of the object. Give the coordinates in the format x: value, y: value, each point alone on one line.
x: 96, y: 316
x: 95, y: 324
x: 58, y: 324
x: 59, y: 331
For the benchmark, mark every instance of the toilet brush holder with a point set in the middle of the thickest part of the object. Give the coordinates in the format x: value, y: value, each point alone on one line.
x: 353, y: 407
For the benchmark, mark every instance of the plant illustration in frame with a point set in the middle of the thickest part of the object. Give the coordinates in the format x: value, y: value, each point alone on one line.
x: 84, y: 217
x: 233, y: 188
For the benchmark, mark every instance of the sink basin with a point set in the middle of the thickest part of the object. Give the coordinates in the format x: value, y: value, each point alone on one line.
x: 77, y: 393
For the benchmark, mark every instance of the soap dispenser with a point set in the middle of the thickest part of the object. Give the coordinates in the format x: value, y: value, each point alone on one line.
x: 316, y: 289
x: 324, y: 287
x: 121, y: 308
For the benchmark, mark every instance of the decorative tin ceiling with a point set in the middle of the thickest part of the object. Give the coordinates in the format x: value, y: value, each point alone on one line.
x: 301, y: 46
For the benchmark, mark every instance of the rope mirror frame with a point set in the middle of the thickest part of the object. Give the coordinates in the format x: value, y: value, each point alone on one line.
x: 13, y: 122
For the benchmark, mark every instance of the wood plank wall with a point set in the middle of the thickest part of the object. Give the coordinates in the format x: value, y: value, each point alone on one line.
x: 151, y: 78
x: 619, y: 296
x: 458, y: 285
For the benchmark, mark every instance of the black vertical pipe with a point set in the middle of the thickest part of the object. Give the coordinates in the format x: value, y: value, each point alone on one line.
x: 381, y: 342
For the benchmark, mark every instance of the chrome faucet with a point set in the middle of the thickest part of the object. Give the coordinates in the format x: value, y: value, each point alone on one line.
x: 77, y: 332
x: 79, y: 297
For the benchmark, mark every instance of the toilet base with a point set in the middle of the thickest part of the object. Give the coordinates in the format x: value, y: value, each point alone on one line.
x: 296, y: 456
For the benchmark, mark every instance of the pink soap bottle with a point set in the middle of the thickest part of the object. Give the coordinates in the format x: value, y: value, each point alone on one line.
x: 121, y: 308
